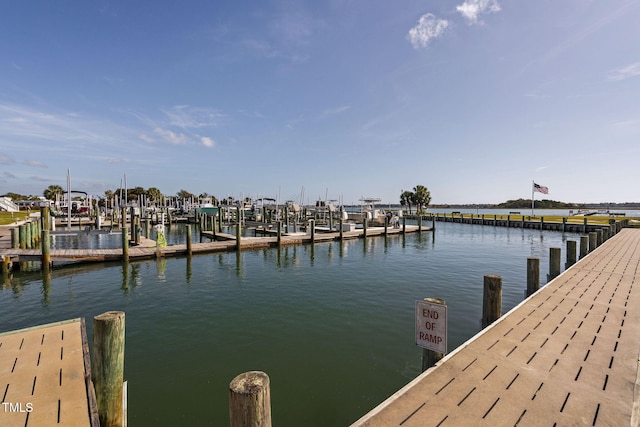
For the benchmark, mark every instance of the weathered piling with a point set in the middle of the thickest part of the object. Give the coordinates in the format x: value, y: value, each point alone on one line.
x: 312, y: 228
x: 107, y: 367
x: 45, y: 244
x: 593, y: 241
x: 125, y: 243
x: 27, y: 235
x: 15, y: 237
x: 584, y: 246
x: 571, y: 253
x: 600, y: 236
x: 533, y: 275
x: 136, y: 235
x: 250, y: 400
x: 238, y: 235
x: 279, y: 233
x: 554, y: 263
x: 430, y: 357
x: 341, y: 228
x: 189, y: 244
x: 491, y: 299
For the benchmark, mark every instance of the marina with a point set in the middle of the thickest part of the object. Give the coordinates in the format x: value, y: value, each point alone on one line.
x: 324, y: 301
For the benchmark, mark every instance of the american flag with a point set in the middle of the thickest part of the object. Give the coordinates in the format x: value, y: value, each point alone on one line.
x: 540, y: 188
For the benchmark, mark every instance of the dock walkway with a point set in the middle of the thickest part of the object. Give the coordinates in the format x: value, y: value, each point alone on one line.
x: 568, y: 355
x: 45, y: 377
x: 147, y: 249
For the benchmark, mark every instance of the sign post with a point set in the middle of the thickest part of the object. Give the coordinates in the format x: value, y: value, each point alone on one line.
x: 431, y: 330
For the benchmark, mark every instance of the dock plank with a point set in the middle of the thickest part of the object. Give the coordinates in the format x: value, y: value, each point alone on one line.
x: 568, y: 355
x: 43, y: 369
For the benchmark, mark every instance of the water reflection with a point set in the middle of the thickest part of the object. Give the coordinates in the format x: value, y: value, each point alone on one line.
x: 46, y: 287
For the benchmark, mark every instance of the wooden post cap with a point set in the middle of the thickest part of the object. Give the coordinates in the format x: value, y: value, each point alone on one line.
x: 250, y: 400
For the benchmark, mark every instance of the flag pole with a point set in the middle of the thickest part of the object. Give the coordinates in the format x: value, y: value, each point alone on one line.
x: 532, y: 192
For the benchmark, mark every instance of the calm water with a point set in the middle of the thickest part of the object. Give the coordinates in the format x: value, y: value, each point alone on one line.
x: 332, y: 325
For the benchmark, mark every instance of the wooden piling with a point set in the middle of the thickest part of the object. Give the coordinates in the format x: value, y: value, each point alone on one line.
x: 189, y: 244
x: 533, y: 275
x: 312, y: 226
x: 430, y: 357
x: 554, y: 263
x: 28, y: 239
x: 571, y: 253
x: 45, y: 244
x: 250, y: 400
x: 238, y: 234
x: 593, y: 241
x: 341, y: 230
x: 125, y: 244
x: 107, y: 367
x: 584, y: 246
x: 364, y: 227
x: 279, y: 233
x: 15, y: 238
x: 491, y: 299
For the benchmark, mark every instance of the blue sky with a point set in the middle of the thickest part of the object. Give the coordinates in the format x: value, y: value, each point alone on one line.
x: 341, y: 98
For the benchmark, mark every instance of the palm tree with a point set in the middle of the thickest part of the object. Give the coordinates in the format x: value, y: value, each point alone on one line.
x: 421, y: 197
x: 406, y: 197
x: 52, y: 191
x: 154, y: 194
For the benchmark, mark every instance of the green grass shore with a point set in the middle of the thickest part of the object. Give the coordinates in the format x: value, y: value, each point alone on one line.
x: 575, y: 219
x: 8, y: 218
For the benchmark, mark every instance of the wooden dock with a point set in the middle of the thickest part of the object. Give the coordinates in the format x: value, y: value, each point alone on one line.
x: 45, y: 377
x: 568, y: 355
x: 148, y: 250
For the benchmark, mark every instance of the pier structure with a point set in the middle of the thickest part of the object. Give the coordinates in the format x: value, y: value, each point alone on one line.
x: 567, y: 355
x: 577, y: 224
x: 224, y: 242
x: 45, y: 376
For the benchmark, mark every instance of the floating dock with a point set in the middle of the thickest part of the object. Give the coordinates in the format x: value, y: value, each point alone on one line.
x: 567, y: 355
x: 226, y: 242
x: 45, y: 377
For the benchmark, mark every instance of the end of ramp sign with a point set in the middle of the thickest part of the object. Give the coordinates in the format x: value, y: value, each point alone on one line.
x: 431, y: 326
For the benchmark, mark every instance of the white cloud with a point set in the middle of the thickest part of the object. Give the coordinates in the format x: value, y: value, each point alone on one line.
x: 334, y: 111
x: 187, y: 117
x: 35, y: 164
x: 146, y: 138
x: 624, y: 73
x: 207, y: 142
x: 429, y: 27
x: 5, y: 160
x: 472, y: 9
x: 171, y: 136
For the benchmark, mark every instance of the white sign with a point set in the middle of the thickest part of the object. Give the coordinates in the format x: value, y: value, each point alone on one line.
x: 431, y: 326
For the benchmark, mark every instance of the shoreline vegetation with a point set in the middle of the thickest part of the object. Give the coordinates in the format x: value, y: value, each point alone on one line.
x: 539, y: 204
